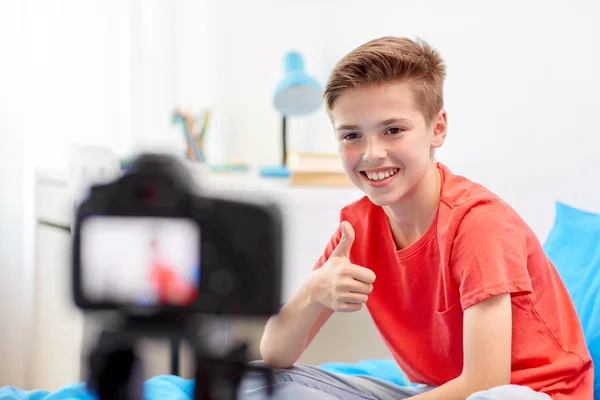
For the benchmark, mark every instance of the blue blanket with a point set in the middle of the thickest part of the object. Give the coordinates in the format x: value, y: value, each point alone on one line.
x: 175, y: 388
x: 159, y: 387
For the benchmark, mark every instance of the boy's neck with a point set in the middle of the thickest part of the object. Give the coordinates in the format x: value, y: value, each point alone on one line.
x: 412, y: 216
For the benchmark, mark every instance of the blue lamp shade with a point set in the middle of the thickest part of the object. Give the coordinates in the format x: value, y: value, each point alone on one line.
x: 297, y: 93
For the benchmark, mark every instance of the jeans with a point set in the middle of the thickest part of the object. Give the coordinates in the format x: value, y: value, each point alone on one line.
x: 308, y: 382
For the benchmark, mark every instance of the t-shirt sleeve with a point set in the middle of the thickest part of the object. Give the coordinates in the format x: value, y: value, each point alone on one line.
x: 489, y: 254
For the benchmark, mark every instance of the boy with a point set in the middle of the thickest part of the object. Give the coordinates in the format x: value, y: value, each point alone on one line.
x: 458, y: 285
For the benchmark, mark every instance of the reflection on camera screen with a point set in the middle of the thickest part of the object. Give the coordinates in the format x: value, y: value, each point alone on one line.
x: 140, y: 260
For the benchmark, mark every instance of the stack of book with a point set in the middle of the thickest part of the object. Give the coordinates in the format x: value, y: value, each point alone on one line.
x: 316, y: 169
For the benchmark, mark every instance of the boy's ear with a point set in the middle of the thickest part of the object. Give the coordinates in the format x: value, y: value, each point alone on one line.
x: 439, y: 126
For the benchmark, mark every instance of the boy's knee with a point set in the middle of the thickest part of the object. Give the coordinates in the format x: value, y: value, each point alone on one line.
x: 255, y: 386
x: 254, y: 373
x: 256, y: 365
x: 509, y: 392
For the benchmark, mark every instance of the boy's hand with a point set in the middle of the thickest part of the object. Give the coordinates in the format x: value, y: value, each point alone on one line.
x: 339, y: 284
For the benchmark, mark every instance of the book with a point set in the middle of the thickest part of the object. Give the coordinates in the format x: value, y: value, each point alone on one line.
x: 319, y: 179
x: 314, y: 162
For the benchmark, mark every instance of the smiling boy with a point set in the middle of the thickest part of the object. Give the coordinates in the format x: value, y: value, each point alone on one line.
x: 457, y: 283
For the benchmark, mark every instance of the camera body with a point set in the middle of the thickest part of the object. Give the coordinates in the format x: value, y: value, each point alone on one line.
x: 150, y: 243
x: 164, y: 256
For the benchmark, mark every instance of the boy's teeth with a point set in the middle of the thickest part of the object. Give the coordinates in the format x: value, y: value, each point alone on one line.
x: 376, y: 176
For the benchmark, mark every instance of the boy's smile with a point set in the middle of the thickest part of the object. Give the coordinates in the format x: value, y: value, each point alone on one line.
x: 384, y: 141
x: 379, y: 177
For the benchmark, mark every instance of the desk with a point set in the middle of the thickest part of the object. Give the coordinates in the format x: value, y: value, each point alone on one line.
x: 311, y: 215
x: 57, y: 325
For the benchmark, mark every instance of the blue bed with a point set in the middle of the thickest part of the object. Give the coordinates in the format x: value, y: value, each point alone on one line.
x: 573, y: 245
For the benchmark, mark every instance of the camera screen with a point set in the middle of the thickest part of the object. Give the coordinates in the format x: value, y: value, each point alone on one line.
x: 140, y: 260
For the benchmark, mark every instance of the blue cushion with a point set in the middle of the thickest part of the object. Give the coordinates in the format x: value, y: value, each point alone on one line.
x: 573, y: 245
x: 386, y: 369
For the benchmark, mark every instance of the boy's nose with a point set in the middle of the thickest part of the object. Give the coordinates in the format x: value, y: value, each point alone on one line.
x: 374, y: 152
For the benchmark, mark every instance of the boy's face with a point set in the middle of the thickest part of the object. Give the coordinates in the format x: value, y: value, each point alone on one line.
x: 384, y: 141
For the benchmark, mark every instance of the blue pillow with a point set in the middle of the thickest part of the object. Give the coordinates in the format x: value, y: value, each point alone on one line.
x: 573, y: 245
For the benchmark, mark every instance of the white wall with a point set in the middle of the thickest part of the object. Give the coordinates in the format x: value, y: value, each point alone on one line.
x: 521, y: 91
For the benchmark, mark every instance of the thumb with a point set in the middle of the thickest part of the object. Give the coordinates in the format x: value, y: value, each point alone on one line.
x: 343, y: 248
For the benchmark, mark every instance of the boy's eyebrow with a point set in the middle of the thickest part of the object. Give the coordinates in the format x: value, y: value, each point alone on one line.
x: 383, y: 123
x: 346, y: 127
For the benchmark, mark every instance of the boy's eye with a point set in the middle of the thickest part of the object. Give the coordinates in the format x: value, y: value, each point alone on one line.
x: 351, y: 136
x: 394, y: 131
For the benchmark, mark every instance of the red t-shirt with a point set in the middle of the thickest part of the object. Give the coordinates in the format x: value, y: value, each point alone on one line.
x: 477, y: 247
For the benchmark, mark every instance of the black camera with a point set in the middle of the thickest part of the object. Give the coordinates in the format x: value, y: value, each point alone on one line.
x: 164, y: 255
x: 150, y: 243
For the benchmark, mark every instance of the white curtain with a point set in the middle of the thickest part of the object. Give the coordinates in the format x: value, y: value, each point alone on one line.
x: 111, y: 72
x: 12, y: 347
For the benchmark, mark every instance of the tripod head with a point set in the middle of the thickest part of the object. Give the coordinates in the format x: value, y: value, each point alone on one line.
x: 165, y: 257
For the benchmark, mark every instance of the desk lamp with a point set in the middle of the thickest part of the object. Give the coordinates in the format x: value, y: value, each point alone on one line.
x: 297, y: 93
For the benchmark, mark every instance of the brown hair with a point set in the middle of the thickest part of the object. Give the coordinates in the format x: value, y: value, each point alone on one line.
x: 391, y: 59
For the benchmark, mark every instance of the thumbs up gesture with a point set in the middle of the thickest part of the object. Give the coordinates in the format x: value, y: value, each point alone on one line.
x: 339, y: 284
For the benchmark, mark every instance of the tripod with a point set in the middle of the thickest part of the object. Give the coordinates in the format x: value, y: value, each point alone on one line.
x: 116, y: 373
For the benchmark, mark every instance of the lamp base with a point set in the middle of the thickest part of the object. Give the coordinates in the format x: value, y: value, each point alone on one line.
x: 274, y: 171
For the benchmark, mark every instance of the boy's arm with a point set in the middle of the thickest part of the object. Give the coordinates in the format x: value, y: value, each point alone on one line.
x: 334, y: 285
x: 288, y: 333
x: 487, y: 335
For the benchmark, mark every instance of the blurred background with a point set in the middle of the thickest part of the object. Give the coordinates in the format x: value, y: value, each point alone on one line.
x: 521, y: 94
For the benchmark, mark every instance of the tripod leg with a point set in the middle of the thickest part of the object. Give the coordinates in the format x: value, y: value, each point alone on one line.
x: 115, y: 370
x: 175, y: 346
x: 219, y: 378
x: 202, y: 390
